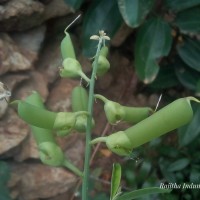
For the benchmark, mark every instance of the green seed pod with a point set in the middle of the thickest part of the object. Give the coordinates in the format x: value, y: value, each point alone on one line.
x: 72, y: 69
x: 67, y: 48
x: 171, y: 117
x: 116, y: 112
x: 79, y: 99
x: 41, y: 135
x: 51, y: 154
x: 35, y: 115
x: 103, y: 66
x: 49, y: 151
x: 80, y: 103
x: 65, y: 121
x: 104, y: 51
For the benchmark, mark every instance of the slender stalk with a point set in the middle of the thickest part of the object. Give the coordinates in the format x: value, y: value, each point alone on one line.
x: 89, y: 124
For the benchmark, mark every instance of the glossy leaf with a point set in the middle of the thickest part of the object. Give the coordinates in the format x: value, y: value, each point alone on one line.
x: 152, y: 43
x: 178, y: 5
x: 189, y: 53
x: 178, y: 165
x: 75, y: 4
x: 141, y: 193
x: 187, y: 76
x: 102, y: 15
x: 188, y: 20
x: 166, y: 78
x: 115, y: 180
x: 134, y: 12
x: 188, y: 133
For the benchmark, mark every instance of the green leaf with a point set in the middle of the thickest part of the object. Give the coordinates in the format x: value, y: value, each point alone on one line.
x: 166, y: 78
x: 189, y: 53
x: 178, y: 5
x: 194, y: 175
x: 152, y: 43
x: 188, y: 20
x: 142, y: 192
x: 75, y: 4
x: 134, y: 12
x: 4, y: 173
x: 115, y: 180
x: 187, y: 76
x: 102, y: 15
x: 143, y: 172
x: 191, y: 131
x: 178, y: 165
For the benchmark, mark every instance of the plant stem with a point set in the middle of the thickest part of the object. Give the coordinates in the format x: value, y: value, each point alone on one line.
x: 89, y: 124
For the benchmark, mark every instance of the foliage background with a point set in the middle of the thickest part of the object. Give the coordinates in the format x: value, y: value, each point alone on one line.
x: 165, y: 50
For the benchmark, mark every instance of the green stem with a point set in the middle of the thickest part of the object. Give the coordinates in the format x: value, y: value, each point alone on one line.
x: 89, y: 125
x: 71, y: 167
x: 99, y: 139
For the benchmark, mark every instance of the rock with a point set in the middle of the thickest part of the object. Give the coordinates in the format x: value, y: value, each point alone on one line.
x: 3, y: 1
x: 30, y: 40
x: 18, y: 15
x: 13, y: 58
x: 35, y: 82
x: 12, y: 131
x: 50, y: 61
x: 56, y: 8
x: 60, y: 95
x: 10, y: 81
x: 28, y: 150
x: 40, y: 181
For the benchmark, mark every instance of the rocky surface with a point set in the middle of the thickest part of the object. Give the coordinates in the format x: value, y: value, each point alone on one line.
x: 29, y: 60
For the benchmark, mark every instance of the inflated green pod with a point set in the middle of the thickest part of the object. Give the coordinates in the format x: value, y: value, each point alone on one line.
x: 49, y: 151
x: 103, y: 63
x: 51, y: 154
x: 42, y: 118
x: 116, y: 112
x: 72, y: 69
x: 79, y: 99
x: 104, y: 51
x: 40, y: 134
x: 67, y: 48
x: 172, y: 116
x: 80, y: 103
x: 36, y: 116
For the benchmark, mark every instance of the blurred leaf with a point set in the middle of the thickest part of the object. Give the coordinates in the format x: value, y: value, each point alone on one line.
x: 141, y: 192
x: 4, y: 172
x: 187, y: 76
x: 189, y: 132
x: 102, y: 15
x: 75, y: 4
x: 152, y: 43
x: 178, y: 165
x: 166, y: 78
x: 143, y: 172
x: 178, y: 5
x: 115, y: 180
x: 188, y: 20
x: 4, y: 177
x: 169, y: 176
x: 194, y: 175
x: 134, y: 12
x: 189, y: 53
